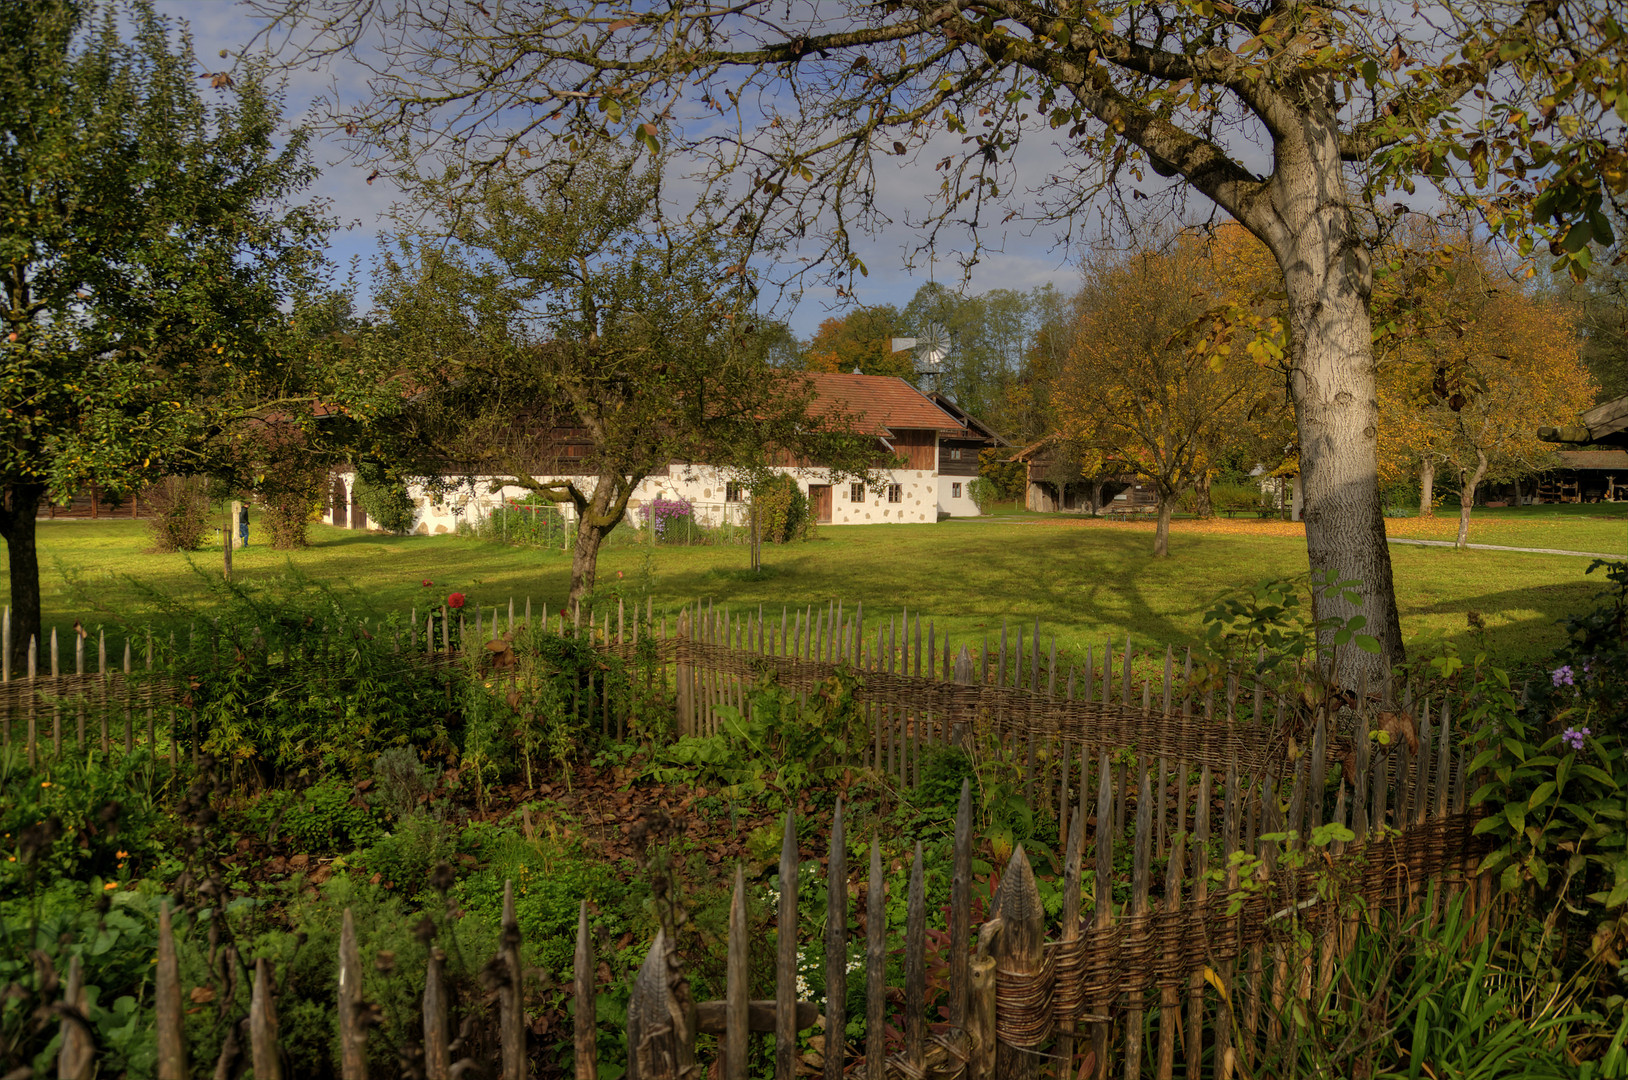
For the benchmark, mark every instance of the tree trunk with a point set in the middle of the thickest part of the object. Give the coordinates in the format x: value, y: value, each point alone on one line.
x: 1427, y: 487
x: 1161, y: 535
x: 585, y: 558
x: 1466, y: 496
x: 1096, y: 497
x: 1328, y: 282
x: 1518, y: 490
x: 1201, y: 489
x: 18, y: 507
x: 602, y: 512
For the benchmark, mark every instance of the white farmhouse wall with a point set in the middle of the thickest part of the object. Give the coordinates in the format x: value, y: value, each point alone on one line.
x: 705, y: 488
x: 955, y: 505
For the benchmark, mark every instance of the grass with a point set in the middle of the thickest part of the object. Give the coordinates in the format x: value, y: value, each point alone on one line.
x: 1086, y: 580
x: 1601, y: 527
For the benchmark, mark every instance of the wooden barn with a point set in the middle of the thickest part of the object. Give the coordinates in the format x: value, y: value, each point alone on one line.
x: 1057, y: 483
x: 1593, y: 466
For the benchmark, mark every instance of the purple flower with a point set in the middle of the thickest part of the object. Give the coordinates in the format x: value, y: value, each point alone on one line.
x: 1562, y: 676
x: 1574, y: 737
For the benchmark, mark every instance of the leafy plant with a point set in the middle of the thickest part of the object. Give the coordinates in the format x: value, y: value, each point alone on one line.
x: 383, y: 497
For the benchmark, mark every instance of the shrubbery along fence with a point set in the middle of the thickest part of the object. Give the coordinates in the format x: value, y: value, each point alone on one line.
x: 1261, y: 835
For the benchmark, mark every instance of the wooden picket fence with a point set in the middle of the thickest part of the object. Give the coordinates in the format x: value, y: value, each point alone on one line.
x: 1222, y: 799
x: 1168, y: 971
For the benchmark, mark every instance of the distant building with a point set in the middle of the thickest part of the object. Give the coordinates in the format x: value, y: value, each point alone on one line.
x: 1057, y: 482
x: 927, y: 453
x: 1594, y: 467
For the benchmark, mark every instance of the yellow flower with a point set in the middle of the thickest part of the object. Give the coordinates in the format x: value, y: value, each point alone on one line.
x: 45, y: 783
x: 123, y: 855
x: 110, y: 885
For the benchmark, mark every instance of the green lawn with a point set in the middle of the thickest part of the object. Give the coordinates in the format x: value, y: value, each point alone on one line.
x: 1085, y: 580
x: 1601, y: 527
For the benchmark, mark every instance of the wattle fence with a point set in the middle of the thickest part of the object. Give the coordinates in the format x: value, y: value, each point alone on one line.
x: 1222, y: 849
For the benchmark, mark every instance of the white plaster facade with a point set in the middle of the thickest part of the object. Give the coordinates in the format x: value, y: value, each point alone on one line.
x: 955, y: 498
x: 918, y: 498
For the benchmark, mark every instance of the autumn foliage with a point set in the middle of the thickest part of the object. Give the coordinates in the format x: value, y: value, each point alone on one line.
x: 1175, y: 362
x: 1472, y: 363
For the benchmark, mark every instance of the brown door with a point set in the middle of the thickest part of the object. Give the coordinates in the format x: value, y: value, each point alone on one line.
x: 341, y: 509
x: 820, y: 496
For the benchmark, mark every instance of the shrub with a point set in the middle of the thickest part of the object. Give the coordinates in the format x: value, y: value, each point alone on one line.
x: 782, y: 509
x: 983, y: 491
x: 1234, y: 496
x: 180, y: 520
x: 383, y: 497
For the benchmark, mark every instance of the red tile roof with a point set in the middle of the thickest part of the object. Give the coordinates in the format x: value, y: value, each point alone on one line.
x: 883, y: 403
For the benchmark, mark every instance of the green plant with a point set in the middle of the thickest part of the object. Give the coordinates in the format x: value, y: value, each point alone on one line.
x: 1423, y: 998
x: 382, y: 495
x: 180, y: 509
x: 113, y: 935
x: 782, y: 509
x: 778, y: 743
x: 79, y: 818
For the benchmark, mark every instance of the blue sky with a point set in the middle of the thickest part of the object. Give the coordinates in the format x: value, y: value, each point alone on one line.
x: 1024, y: 261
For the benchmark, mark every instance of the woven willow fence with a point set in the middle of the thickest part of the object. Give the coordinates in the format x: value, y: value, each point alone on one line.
x: 1185, y: 960
x: 1161, y: 972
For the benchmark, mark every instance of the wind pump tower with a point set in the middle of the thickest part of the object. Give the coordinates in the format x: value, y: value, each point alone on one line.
x: 930, y: 349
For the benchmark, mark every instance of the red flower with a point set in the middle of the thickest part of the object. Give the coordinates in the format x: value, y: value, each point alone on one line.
x: 455, y: 600
x: 428, y: 583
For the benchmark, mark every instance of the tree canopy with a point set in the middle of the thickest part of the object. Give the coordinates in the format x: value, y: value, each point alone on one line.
x: 566, y: 338
x: 1304, y: 122
x: 147, y: 239
x: 1142, y: 390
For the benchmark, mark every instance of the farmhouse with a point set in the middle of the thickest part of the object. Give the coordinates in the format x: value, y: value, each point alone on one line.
x: 927, y: 454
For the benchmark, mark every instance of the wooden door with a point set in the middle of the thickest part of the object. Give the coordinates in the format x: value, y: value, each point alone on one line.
x: 820, y: 496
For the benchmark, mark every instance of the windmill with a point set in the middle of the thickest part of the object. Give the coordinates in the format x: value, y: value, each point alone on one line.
x: 930, y: 348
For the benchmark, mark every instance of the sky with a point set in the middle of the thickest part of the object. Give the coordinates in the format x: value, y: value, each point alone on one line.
x: 1027, y: 256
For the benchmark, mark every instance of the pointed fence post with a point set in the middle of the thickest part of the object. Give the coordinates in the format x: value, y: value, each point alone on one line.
x: 172, y: 1049
x: 263, y: 1026
x: 737, y: 989
x: 836, y: 951
x: 77, y: 1057
x: 352, y: 1037
x: 512, y: 1005
x: 1026, y: 1024
x: 785, y: 968
x: 437, y: 1028
x: 585, y: 1038
x: 660, y: 1031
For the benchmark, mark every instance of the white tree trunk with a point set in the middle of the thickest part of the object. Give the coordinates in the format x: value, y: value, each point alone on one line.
x: 1328, y: 281
x: 1427, y: 487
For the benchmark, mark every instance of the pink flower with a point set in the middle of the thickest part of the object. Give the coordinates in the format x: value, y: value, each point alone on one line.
x: 618, y: 573
x: 455, y: 600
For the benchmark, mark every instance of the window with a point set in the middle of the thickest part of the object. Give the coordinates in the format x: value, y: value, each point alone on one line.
x: 955, y: 491
x: 895, y: 493
x: 856, y: 492
x: 732, y: 491
x: 955, y: 455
